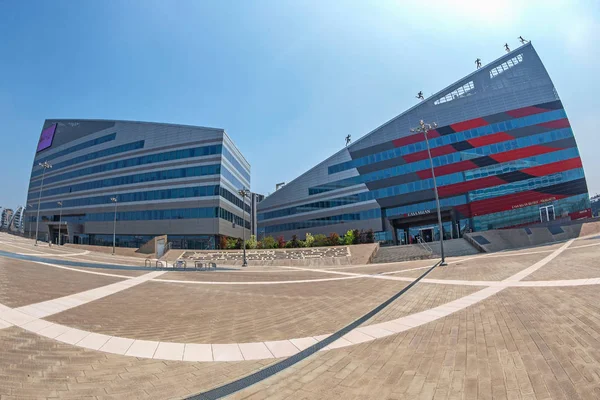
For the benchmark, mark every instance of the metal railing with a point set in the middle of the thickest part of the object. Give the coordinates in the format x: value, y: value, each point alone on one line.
x: 424, y: 245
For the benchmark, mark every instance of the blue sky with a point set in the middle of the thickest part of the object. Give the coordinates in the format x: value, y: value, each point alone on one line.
x: 288, y: 80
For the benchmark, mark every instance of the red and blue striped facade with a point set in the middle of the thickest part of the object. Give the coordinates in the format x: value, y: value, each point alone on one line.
x: 493, y: 171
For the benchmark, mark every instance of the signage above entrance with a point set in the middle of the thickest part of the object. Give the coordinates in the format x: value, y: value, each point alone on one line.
x: 415, y: 213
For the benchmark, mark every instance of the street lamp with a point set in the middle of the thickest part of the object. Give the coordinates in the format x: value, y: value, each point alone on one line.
x: 28, y: 208
x: 59, y: 220
x: 45, y: 165
x: 424, y: 128
x: 114, y: 200
x: 244, y: 193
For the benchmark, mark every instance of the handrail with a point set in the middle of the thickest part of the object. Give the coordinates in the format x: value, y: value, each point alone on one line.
x: 148, y: 263
x: 424, y: 245
x: 158, y: 262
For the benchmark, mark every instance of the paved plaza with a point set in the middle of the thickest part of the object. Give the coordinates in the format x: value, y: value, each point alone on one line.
x: 521, y: 324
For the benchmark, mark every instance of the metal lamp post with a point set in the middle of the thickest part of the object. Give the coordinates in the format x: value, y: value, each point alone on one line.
x: 424, y: 128
x: 46, y: 165
x: 60, y: 203
x: 29, y: 207
x: 244, y: 193
x: 114, y: 200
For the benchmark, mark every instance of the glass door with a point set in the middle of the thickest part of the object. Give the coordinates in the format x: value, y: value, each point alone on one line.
x: 547, y: 213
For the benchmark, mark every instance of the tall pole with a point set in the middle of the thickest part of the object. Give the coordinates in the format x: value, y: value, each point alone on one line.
x: 425, y: 128
x: 59, y: 220
x: 244, y: 193
x: 114, y: 200
x: 46, y: 165
x: 28, y: 207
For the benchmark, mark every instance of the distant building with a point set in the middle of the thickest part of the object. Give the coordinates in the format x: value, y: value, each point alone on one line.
x: 504, y: 155
x: 6, y: 218
x: 178, y: 180
x: 255, y: 199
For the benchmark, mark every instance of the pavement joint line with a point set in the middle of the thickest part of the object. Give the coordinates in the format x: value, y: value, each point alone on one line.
x: 271, y: 370
x: 383, y: 329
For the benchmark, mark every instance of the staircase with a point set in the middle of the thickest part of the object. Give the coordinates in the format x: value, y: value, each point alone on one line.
x: 452, y: 248
x: 407, y: 252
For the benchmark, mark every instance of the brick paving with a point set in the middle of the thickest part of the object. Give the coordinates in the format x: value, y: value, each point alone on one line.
x: 228, y: 314
x: 586, y: 264
x: 482, y: 268
x: 23, y: 282
x: 521, y: 343
x: 35, y: 367
x: 245, y: 276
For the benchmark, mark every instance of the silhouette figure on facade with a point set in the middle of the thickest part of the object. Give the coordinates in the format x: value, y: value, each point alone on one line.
x: 420, y: 96
x: 523, y: 41
x: 348, y: 139
x: 506, y: 48
x: 478, y: 63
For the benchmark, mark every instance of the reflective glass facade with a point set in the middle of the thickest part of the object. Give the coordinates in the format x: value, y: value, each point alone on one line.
x: 165, y: 179
x: 503, y: 149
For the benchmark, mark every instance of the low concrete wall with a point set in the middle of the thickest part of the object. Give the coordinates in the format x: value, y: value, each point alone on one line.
x: 308, y: 257
x: 122, y: 251
x: 505, y: 239
x: 150, y: 246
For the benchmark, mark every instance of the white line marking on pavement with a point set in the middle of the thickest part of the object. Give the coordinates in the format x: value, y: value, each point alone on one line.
x: 27, y: 317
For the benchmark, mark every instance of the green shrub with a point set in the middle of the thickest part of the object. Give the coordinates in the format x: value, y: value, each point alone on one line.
x: 356, y: 236
x: 309, y: 240
x: 251, y: 243
x: 319, y: 240
x: 295, y: 243
x: 348, y: 237
x: 269, y: 243
x: 231, y: 243
x: 370, y: 236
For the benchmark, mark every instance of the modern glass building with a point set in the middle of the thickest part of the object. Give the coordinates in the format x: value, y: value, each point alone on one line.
x: 178, y: 180
x: 504, y: 155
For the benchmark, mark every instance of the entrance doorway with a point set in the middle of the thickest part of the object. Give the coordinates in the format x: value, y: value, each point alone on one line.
x: 426, y: 234
x: 547, y: 213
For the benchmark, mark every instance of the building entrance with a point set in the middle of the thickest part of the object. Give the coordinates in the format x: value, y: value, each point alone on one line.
x: 427, y: 234
x: 408, y: 228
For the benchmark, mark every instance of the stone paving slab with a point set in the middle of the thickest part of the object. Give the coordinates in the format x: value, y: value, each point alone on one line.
x: 189, y: 313
x: 32, y: 366
x: 425, y: 296
x: 481, y: 268
x: 124, y: 272
x: 23, y: 282
x: 518, y: 344
x: 243, y: 276
x: 586, y: 264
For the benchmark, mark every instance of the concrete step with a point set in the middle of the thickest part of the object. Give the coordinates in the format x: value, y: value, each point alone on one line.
x: 454, y: 248
x: 388, y: 254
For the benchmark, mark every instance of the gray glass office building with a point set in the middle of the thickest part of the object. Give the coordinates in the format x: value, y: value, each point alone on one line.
x: 503, y: 151
x: 178, y: 180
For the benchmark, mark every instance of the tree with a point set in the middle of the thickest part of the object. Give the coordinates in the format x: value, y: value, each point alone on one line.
x: 222, y: 242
